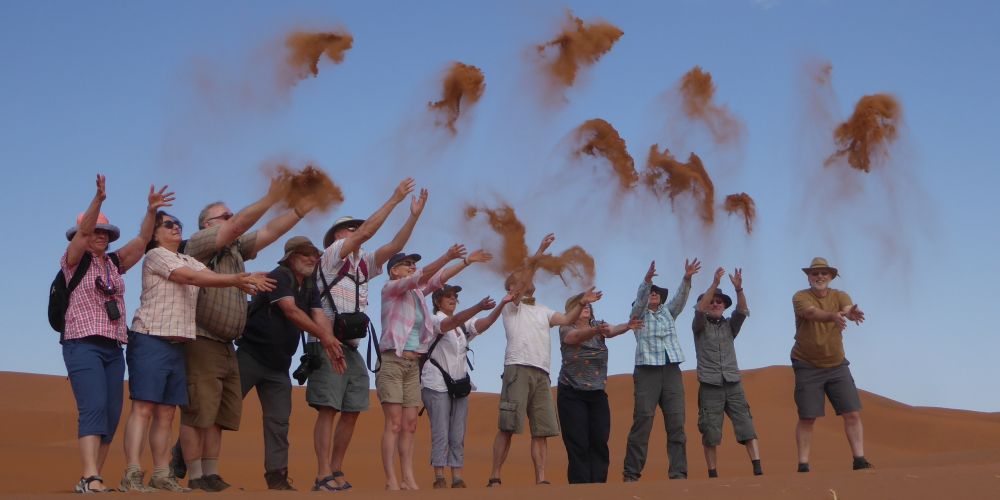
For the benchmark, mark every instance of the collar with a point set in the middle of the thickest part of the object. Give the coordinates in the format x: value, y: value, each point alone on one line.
x: 715, y: 321
x: 530, y: 301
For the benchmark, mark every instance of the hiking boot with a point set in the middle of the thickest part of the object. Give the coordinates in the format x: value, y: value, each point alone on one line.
x: 439, y: 483
x: 629, y: 479
x: 278, y: 480
x: 862, y: 463
x: 132, y: 481
x: 167, y: 483
x: 458, y: 483
x: 199, y: 483
x: 177, y: 465
x: 214, y: 482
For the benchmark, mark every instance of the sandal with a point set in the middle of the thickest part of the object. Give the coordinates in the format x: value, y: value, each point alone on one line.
x: 84, y: 485
x: 337, y: 474
x: 324, y: 484
x: 543, y: 481
x: 494, y: 482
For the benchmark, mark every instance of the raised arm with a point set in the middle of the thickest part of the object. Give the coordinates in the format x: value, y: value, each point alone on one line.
x: 706, y: 298
x: 676, y: 305
x: 641, y: 302
x: 78, y: 245
x: 545, y: 244
x: 472, y: 258
x: 281, y: 224
x: 483, y: 324
x: 240, y: 223
x: 456, y: 251
x: 459, y: 318
x: 741, y: 299
x: 133, y: 251
x: 383, y: 253
x: 590, y: 296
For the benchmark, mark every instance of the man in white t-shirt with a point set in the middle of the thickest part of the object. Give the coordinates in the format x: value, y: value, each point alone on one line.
x: 526, y: 390
x: 345, y: 269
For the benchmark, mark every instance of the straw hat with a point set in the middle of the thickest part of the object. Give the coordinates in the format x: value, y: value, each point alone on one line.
x: 818, y: 264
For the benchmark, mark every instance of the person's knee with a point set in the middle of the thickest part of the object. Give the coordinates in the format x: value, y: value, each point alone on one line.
x: 142, y: 409
x: 807, y: 422
x: 852, y: 417
x: 163, y: 413
x: 348, y: 418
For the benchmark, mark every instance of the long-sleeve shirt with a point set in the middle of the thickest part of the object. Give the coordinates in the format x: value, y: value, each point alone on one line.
x: 400, y: 299
x: 656, y: 343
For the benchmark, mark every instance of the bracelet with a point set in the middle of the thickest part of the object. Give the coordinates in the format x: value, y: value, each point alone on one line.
x: 739, y: 290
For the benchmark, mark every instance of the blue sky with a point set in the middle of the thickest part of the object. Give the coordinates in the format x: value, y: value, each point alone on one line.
x: 111, y: 87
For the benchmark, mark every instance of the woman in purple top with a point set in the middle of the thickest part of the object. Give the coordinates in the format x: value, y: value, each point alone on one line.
x: 95, y: 327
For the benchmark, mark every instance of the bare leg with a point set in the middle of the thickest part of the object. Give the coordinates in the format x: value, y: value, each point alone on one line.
x: 341, y: 439
x: 393, y: 413
x: 710, y: 456
x: 855, y: 432
x: 92, y: 454
x: 803, y: 438
x: 135, y: 430
x: 539, y: 455
x: 501, y: 445
x: 409, y: 428
x: 322, y: 431
x: 753, y: 449
x: 159, y: 434
x: 191, y: 446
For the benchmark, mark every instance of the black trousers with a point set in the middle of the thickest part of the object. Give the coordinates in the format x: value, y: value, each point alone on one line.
x: 585, y: 419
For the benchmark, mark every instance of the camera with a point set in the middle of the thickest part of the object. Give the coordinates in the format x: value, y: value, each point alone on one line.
x: 111, y: 307
x: 308, y: 363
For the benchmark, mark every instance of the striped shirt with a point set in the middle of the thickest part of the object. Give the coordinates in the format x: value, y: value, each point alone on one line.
x: 400, y: 300
x: 346, y: 290
x: 656, y: 343
x: 166, y: 309
x: 86, y: 315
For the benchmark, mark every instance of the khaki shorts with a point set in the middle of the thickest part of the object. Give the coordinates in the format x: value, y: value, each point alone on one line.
x: 729, y: 398
x: 213, y: 384
x: 526, y: 392
x: 398, y: 380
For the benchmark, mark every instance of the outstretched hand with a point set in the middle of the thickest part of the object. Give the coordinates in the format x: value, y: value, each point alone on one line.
x: 546, y: 243
x: 479, y: 256
x: 101, y: 193
x: 691, y: 268
x: 417, y: 203
x: 486, y: 304
x: 159, y: 199
x: 405, y: 187
x: 590, y: 296
x: 737, y: 278
x: 650, y: 273
x: 456, y: 251
x: 719, y: 273
x: 856, y: 315
x: 635, y: 324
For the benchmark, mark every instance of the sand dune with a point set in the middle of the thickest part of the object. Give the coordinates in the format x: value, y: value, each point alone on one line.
x: 919, y: 452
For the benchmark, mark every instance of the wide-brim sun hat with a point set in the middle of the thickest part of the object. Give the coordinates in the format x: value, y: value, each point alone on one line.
x: 727, y: 300
x: 102, y: 225
x: 819, y: 264
x: 298, y: 244
x: 337, y: 224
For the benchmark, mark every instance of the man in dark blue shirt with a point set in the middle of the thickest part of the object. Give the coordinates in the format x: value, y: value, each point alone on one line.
x: 277, y: 320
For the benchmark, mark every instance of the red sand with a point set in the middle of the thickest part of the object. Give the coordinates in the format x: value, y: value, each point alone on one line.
x: 919, y: 452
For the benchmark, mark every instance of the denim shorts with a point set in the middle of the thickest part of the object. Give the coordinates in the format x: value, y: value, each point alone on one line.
x: 156, y: 370
x: 96, y: 370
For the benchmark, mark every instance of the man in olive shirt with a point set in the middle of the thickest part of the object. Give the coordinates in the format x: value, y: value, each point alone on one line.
x: 821, y: 314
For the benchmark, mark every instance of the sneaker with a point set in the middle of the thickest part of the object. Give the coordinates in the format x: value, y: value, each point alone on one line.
x: 132, y: 481
x: 199, y: 483
x: 214, y: 482
x: 439, y: 483
x: 167, y: 483
x: 177, y: 466
x: 278, y: 480
x: 458, y: 483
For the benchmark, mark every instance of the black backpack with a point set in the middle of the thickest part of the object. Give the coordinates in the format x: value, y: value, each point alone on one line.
x: 60, y: 291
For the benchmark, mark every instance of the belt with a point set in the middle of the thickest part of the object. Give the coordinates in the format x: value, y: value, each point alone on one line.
x: 411, y: 355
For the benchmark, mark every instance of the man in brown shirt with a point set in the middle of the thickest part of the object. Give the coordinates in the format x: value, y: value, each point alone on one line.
x: 821, y: 314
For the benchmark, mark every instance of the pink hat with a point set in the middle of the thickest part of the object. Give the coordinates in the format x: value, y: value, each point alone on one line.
x: 102, y: 224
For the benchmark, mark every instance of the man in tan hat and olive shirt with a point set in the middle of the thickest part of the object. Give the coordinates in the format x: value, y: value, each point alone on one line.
x: 821, y: 314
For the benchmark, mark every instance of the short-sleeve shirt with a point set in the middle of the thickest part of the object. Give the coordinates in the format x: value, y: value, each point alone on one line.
x: 450, y: 352
x: 527, y: 328
x: 86, y: 315
x: 166, y: 309
x: 222, y: 312
x: 819, y: 343
x: 584, y: 365
x: 715, y: 347
x: 270, y: 337
x: 346, y: 290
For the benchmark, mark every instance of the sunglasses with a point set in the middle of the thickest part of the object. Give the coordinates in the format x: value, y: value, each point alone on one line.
x: 225, y: 216
x: 170, y: 224
x: 819, y: 273
x: 718, y: 301
x: 105, y: 288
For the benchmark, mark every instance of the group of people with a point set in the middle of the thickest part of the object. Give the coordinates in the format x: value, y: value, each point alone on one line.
x: 195, y: 342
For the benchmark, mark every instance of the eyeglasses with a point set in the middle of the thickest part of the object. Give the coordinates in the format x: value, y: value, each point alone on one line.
x: 105, y: 288
x: 224, y: 216
x: 170, y: 224
x: 819, y: 273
